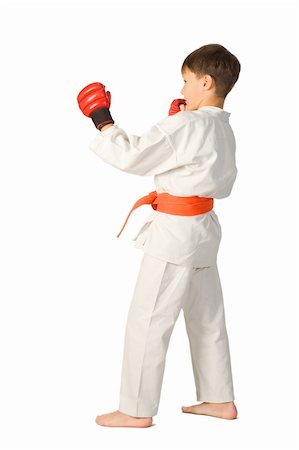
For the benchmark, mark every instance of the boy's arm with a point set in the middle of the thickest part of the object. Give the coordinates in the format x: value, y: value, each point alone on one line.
x: 176, y: 106
x: 107, y: 126
x: 149, y: 154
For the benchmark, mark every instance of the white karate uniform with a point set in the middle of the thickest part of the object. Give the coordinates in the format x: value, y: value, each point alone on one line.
x: 191, y: 153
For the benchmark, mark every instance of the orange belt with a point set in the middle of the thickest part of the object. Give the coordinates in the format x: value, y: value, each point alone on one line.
x: 171, y: 204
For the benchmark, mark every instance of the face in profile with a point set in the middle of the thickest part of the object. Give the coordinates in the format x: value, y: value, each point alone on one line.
x: 195, y: 89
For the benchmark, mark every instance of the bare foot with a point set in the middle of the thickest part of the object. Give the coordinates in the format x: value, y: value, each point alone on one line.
x: 225, y: 410
x: 119, y: 419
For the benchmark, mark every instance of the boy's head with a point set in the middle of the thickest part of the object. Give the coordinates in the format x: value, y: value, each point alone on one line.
x: 209, y: 74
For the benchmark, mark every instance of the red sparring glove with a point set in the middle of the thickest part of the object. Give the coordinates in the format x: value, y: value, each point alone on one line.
x: 94, y: 102
x: 175, y: 106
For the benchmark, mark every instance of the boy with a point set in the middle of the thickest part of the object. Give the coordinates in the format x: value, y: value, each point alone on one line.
x: 191, y: 153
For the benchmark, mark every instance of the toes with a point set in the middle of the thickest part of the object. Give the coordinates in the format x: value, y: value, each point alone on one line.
x: 99, y: 420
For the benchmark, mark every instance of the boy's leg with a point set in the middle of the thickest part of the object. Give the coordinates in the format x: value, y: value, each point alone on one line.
x: 205, y: 324
x: 159, y: 293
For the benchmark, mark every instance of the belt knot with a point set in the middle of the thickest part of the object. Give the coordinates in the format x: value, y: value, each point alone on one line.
x: 173, y: 204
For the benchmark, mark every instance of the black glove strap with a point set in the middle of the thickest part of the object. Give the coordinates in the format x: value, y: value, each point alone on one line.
x: 101, y: 117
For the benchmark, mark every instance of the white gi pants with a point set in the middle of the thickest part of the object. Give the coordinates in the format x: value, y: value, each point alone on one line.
x: 162, y: 289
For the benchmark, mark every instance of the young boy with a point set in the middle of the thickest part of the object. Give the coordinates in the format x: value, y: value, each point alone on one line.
x: 191, y: 153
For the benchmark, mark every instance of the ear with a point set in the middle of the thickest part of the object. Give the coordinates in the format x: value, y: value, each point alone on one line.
x: 208, y: 79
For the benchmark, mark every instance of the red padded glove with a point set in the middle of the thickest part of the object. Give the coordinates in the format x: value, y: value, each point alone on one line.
x: 175, y: 106
x: 94, y: 102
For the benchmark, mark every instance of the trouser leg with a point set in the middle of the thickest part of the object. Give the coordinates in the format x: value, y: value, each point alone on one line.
x: 157, y: 300
x: 205, y: 324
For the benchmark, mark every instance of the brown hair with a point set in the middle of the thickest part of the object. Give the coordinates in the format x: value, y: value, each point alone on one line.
x: 216, y: 61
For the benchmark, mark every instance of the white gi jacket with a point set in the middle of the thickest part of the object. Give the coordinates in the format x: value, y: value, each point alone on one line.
x: 189, y: 153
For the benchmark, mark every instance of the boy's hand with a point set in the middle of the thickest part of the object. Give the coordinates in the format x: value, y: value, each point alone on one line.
x: 179, y: 104
x: 95, y: 102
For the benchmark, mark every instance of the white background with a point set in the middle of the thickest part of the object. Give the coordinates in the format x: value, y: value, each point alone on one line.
x: 67, y: 281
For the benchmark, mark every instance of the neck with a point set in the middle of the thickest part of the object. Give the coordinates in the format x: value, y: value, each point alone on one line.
x: 219, y: 103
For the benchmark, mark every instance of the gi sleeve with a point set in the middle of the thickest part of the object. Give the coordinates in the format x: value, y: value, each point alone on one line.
x: 151, y: 153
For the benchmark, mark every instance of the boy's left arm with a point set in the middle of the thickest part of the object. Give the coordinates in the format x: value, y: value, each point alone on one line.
x: 106, y: 126
x: 149, y: 154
